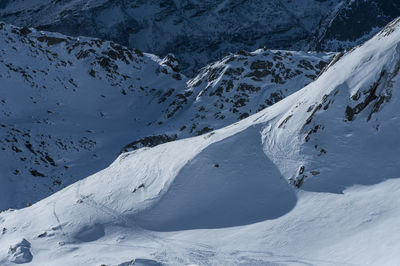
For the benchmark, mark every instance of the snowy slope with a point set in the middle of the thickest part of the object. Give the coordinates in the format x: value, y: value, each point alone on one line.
x: 346, y: 134
x: 231, y: 196
x: 69, y: 106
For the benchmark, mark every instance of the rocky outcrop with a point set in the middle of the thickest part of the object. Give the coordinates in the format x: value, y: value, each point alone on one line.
x: 20, y: 253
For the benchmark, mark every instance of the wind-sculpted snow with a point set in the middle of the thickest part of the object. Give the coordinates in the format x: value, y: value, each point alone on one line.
x: 311, y: 179
x: 69, y: 106
x: 230, y: 183
x: 330, y: 178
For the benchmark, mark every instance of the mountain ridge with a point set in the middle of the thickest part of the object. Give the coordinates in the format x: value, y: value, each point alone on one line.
x: 334, y: 172
x: 70, y: 105
x: 199, y: 33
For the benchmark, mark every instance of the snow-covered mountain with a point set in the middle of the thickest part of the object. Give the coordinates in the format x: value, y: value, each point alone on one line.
x: 199, y: 32
x: 65, y: 103
x: 70, y: 105
x: 242, y: 84
x: 309, y: 180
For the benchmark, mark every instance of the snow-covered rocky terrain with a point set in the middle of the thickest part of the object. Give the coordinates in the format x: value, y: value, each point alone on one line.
x: 310, y: 180
x: 70, y: 105
x: 199, y: 32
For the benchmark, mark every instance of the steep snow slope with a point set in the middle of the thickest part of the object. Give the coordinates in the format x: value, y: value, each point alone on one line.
x: 68, y: 106
x: 322, y: 138
x: 353, y: 120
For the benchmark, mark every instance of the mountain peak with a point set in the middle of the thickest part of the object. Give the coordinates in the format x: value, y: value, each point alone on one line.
x: 114, y: 156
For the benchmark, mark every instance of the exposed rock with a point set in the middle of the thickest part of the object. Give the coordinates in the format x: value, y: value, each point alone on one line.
x: 150, y: 141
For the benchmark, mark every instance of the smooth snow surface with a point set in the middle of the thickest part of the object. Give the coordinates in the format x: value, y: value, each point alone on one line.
x: 216, y: 190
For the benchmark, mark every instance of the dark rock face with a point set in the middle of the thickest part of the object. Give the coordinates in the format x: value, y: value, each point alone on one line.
x: 150, y: 141
x: 356, y: 21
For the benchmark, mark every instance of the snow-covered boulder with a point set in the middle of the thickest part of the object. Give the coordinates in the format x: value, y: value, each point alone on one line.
x: 20, y: 253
